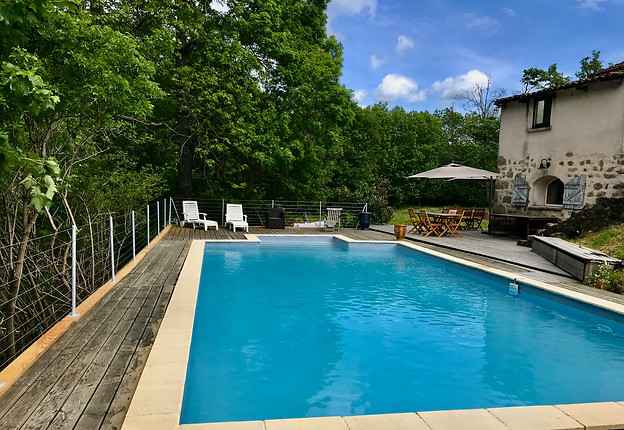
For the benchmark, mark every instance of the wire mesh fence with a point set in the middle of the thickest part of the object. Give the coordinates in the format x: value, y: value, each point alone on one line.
x: 294, y: 211
x: 41, y: 282
x: 37, y: 277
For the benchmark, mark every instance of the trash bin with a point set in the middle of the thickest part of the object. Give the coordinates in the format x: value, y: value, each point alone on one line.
x: 364, y: 220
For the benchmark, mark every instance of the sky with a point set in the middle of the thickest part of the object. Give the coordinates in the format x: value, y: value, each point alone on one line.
x: 422, y: 54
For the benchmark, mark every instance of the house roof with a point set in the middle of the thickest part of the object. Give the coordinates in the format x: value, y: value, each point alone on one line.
x: 610, y: 73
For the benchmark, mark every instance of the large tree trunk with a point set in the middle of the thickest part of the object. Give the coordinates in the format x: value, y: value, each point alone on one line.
x: 185, y: 163
x: 186, y: 142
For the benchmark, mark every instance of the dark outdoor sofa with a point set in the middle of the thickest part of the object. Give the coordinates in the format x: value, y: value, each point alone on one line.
x: 275, y: 218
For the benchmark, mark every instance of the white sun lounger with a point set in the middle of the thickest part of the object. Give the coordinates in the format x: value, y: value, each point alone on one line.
x: 234, y: 217
x: 193, y: 216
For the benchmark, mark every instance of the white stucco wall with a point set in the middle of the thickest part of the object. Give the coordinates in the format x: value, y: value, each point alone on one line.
x: 586, y: 137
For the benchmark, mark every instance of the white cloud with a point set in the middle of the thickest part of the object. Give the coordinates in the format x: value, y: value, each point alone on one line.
x: 347, y: 7
x: 359, y: 96
x: 219, y: 6
x: 450, y: 88
x: 592, y: 4
x: 403, y: 44
x: 350, y: 7
x: 476, y: 22
x: 375, y: 62
x: 509, y: 12
x: 394, y: 87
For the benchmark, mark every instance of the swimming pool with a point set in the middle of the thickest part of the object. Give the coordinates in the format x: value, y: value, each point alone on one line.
x: 381, y: 329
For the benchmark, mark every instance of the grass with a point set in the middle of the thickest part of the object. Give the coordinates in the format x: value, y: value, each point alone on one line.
x: 400, y: 216
x: 610, y: 241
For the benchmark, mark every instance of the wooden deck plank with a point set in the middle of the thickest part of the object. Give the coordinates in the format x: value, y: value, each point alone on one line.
x: 50, y: 364
x: 111, y: 351
x: 118, y: 404
x: 89, y: 364
x: 40, y: 366
x: 28, y: 392
x: 113, y: 362
x: 46, y: 397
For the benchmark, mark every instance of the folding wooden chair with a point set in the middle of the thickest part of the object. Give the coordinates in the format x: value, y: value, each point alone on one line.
x: 431, y: 226
x: 417, y: 222
x: 455, y: 223
x: 477, y: 219
x: 467, y: 218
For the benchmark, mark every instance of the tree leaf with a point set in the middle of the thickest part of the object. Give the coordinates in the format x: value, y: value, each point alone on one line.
x: 29, y: 182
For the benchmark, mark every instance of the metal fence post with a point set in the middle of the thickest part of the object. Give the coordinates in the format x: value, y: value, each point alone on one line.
x: 148, y: 236
x: 158, y: 218
x: 73, y: 297
x: 272, y: 203
x: 112, y: 245
x: 133, y: 241
x: 222, y: 211
x: 170, y: 203
x: 164, y: 213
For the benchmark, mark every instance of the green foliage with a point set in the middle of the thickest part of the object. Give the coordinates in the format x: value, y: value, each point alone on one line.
x: 115, y: 183
x: 536, y: 79
x: 589, y: 65
x: 22, y: 88
x: 71, y: 89
x: 385, y: 146
x: 40, y: 178
x: 608, y: 278
x: 245, y: 103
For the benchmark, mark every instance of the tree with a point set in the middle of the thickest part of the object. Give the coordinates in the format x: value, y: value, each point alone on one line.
x: 589, y: 65
x: 66, y: 83
x: 536, y: 79
x: 480, y: 100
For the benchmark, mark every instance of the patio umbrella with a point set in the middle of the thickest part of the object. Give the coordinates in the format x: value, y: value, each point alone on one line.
x: 458, y: 172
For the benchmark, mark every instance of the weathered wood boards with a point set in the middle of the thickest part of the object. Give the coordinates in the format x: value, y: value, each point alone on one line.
x: 577, y: 260
x: 87, y: 378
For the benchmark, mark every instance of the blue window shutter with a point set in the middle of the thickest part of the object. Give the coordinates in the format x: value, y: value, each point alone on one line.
x: 520, y: 196
x: 574, y: 193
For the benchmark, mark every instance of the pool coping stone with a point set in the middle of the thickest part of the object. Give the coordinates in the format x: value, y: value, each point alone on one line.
x: 157, y: 402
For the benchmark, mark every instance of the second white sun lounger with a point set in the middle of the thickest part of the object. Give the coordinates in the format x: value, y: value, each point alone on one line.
x: 234, y: 217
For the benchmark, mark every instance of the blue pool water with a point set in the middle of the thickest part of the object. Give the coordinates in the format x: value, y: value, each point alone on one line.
x: 291, y: 328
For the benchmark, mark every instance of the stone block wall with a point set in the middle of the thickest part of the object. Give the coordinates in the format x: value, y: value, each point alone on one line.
x: 604, y: 178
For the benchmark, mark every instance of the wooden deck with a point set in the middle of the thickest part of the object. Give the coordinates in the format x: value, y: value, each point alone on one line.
x: 87, y: 378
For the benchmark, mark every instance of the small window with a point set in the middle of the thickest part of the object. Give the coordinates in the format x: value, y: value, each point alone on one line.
x: 554, y: 192
x: 541, y: 113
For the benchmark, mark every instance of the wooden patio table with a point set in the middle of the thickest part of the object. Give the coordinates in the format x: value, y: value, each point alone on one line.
x: 445, y: 218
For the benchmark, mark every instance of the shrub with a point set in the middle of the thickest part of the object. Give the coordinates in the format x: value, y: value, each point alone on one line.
x: 608, y: 278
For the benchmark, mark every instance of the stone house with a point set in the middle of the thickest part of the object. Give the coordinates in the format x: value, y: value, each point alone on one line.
x: 562, y: 147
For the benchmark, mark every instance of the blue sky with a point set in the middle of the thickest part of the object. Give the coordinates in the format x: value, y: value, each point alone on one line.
x: 421, y: 54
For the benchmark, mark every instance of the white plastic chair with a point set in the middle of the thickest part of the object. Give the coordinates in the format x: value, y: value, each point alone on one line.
x: 193, y: 216
x: 235, y: 218
x: 332, y: 219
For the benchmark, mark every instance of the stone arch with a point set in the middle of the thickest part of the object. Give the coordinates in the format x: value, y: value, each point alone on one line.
x: 547, y: 190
